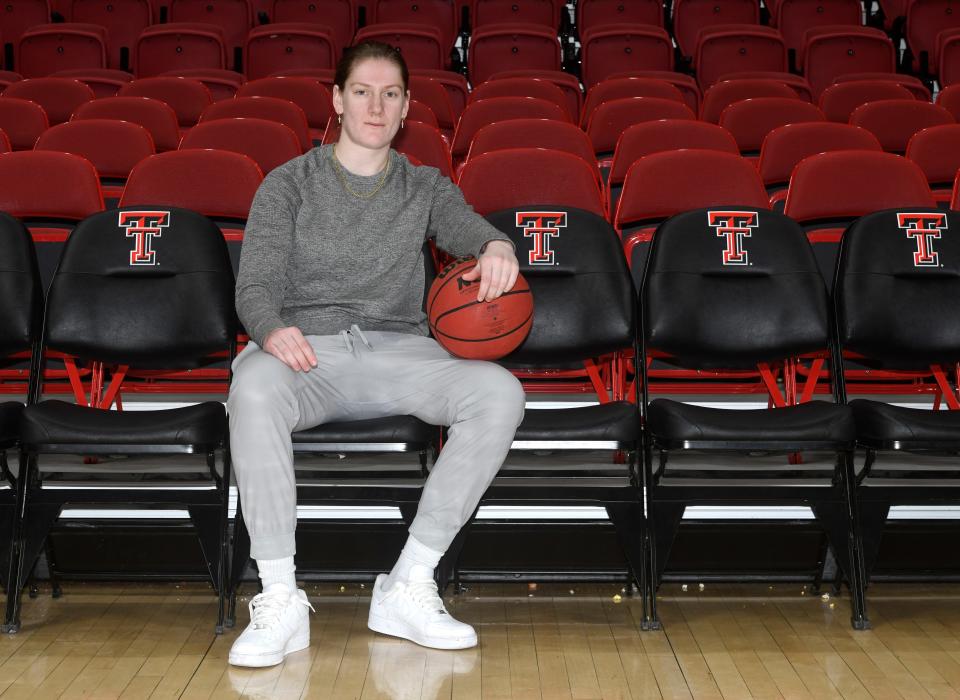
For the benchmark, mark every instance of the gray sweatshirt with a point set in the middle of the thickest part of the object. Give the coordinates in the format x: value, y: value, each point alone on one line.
x: 317, y: 257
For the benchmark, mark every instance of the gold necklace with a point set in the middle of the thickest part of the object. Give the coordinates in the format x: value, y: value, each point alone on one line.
x: 346, y: 185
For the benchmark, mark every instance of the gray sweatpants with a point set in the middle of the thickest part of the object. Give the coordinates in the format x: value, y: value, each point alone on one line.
x: 368, y: 375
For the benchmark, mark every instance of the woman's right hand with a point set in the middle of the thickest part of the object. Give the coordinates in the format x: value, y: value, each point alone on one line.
x: 290, y: 347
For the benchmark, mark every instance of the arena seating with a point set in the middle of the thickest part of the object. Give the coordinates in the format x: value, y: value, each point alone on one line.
x: 179, y: 46
x: 59, y: 97
x: 751, y: 120
x: 272, y: 108
x: 838, y: 101
x: 613, y: 49
x: 617, y: 88
x: 533, y: 133
x: 185, y: 96
x: 278, y: 47
x: 123, y: 21
x: 157, y: 117
x: 22, y: 121
x: 268, y: 143
x: 610, y: 119
x: 47, y: 48
x: 425, y: 143
x: 308, y: 94
x: 723, y: 94
x: 105, y: 82
x: 936, y: 150
x: 893, y: 122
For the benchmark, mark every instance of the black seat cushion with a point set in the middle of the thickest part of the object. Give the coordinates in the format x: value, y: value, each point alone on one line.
x: 880, y: 422
x: 617, y: 420
x: 817, y: 421
x: 10, y: 422
x: 391, y: 429
x: 59, y: 422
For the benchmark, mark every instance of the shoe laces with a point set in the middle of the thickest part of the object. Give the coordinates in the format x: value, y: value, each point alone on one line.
x: 266, y: 608
x: 425, y: 596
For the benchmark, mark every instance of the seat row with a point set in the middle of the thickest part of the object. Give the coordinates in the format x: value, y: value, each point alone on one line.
x: 143, y: 293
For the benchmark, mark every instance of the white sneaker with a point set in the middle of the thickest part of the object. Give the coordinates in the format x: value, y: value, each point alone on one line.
x: 414, y: 611
x: 279, y: 625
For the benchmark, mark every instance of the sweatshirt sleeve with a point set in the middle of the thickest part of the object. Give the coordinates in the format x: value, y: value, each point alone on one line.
x: 267, y: 241
x: 459, y: 230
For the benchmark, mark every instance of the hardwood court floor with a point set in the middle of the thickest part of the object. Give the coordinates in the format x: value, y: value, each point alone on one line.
x: 157, y: 641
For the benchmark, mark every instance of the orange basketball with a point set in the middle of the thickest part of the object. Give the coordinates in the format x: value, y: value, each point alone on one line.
x: 477, y: 330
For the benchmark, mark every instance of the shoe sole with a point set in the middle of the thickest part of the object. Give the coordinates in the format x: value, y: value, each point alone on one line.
x: 263, y: 660
x: 393, y: 628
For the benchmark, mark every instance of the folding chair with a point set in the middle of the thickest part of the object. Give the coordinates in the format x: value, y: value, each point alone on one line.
x: 545, y: 13
x: 123, y: 21
x: 610, y: 119
x: 158, y: 302
x: 723, y: 94
x: 795, y: 17
x: 272, y: 108
x: 751, y: 120
x: 643, y: 139
x: 716, y: 285
x: 22, y: 121
x: 617, y: 88
x: 275, y: 47
x: 155, y: 116
x: 112, y: 146
x: 59, y: 97
x: 686, y: 84
x: 512, y: 177
x: 608, y: 50
x: 339, y: 16
x: 910, y: 82
x: 521, y: 87
x: 483, y: 112
x: 48, y: 48
x: 936, y: 150
x: 829, y: 52
x: 512, y: 47
x: 178, y: 46
x: 926, y: 19
x: 426, y: 144
x: 949, y: 99
x: 233, y: 17
x: 948, y: 56
x: 422, y: 45
x: 222, y: 84
x: 690, y: 17
x: 896, y: 308
x: 533, y: 133
x: 434, y: 14
x: 595, y: 13
x: 105, y: 82
x: 308, y: 94
x: 893, y: 122
x: 185, y: 96
x: 838, y: 101
x: 734, y: 48
x: 18, y: 16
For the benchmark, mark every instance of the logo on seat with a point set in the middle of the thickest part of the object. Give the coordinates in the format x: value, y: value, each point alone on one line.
x: 143, y: 227
x: 924, y: 228
x: 734, y: 226
x: 541, y: 226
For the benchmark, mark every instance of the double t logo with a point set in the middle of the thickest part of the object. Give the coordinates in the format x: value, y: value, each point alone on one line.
x: 924, y: 228
x: 734, y: 226
x: 144, y: 226
x: 541, y: 226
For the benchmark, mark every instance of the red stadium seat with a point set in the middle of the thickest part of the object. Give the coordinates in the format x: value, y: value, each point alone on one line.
x: 440, y: 15
x: 512, y: 47
x: 609, y: 50
x: 105, y: 82
x: 686, y: 84
x: 233, y: 17
x: 432, y: 93
x: 114, y: 147
x: 124, y: 21
x: 926, y: 19
x: 185, y: 96
x: 529, y: 176
x: 218, y: 184
x: 617, y: 88
x: 543, y: 12
x: 786, y: 146
x: 795, y: 17
x: 162, y: 48
x: 454, y: 83
x: 275, y: 47
x: 949, y: 99
x: 48, y: 48
x: 948, y: 56
x: 22, y: 121
x: 726, y: 92
x: 611, y: 119
x: 893, y: 122
x: 690, y: 17
x: 534, y: 133
x: 483, y: 112
x: 5, y: 146
x: 222, y: 84
x: 937, y: 151
x: 798, y: 83
x: 912, y: 83
x: 59, y: 97
x: 734, y: 48
x: 269, y: 144
x: 419, y: 112
x: 339, y: 16
x: 271, y: 108
x: 749, y: 121
x: 840, y: 99
x: 155, y: 116
x: 424, y: 143
x: 17, y: 17
x: 643, y: 139
x: 595, y: 13
x: 521, y: 87
x: 569, y: 84
x: 7, y: 77
x: 830, y: 52
x: 308, y: 94
x: 422, y: 46
x: 323, y: 75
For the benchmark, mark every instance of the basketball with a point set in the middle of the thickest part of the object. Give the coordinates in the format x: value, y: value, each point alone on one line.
x: 477, y: 330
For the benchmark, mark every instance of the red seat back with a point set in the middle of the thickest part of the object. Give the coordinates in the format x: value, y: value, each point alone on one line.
x: 155, y: 116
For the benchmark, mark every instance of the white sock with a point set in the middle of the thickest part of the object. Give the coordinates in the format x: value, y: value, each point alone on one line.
x: 278, y: 571
x: 416, y: 563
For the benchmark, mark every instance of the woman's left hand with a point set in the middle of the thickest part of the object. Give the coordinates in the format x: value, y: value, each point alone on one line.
x: 497, y: 269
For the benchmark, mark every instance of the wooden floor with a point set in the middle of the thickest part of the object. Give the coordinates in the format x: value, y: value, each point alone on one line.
x: 157, y: 641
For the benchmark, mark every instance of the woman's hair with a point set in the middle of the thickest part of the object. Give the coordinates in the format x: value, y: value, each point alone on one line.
x: 361, y: 52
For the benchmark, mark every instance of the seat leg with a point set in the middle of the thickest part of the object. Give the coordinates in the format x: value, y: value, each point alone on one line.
x: 630, y: 524
x: 238, y: 563
x: 663, y: 521
x: 207, y: 521
x: 873, y: 517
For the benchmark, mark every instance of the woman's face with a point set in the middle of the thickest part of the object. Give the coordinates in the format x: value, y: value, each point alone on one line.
x: 372, y: 103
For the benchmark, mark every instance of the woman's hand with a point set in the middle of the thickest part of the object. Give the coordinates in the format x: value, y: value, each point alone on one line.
x: 497, y: 269
x: 290, y: 347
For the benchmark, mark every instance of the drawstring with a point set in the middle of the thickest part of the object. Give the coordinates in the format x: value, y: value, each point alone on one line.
x: 354, y: 332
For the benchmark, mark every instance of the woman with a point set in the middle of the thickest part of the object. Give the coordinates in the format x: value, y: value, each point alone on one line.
x: 330, y: 290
